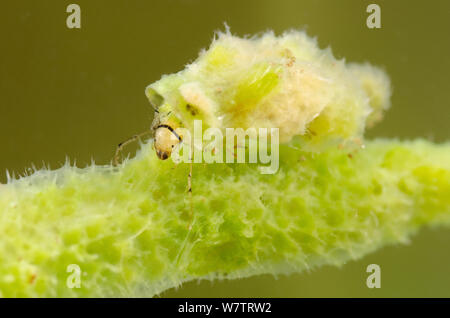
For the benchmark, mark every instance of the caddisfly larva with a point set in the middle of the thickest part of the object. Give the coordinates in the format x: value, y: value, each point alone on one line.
x: 285, y: 82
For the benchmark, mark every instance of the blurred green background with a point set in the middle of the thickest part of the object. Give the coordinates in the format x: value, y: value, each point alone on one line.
x: 78, y: 92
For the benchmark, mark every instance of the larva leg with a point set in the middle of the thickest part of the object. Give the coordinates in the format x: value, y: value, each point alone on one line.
x: 126, y: 142
x: 191, y: 208
x: 191, y: 213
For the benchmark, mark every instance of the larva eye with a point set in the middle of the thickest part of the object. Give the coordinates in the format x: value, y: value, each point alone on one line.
x: 155, y: 99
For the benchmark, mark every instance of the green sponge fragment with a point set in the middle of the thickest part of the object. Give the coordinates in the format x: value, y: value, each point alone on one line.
x: 127, y: 229
x: 267, y: 81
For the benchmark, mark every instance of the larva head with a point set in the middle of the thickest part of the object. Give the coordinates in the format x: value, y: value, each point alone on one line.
x: 165, y: 140
x: 164, y: 124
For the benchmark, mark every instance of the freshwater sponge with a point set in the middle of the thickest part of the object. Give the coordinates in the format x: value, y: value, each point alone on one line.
x: 126, y: 228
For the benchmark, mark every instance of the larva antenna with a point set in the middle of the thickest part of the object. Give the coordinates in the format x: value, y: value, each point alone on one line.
x: 126, y: 142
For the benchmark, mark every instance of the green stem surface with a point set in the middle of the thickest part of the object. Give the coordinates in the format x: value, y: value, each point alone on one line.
x: 126, y: 228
